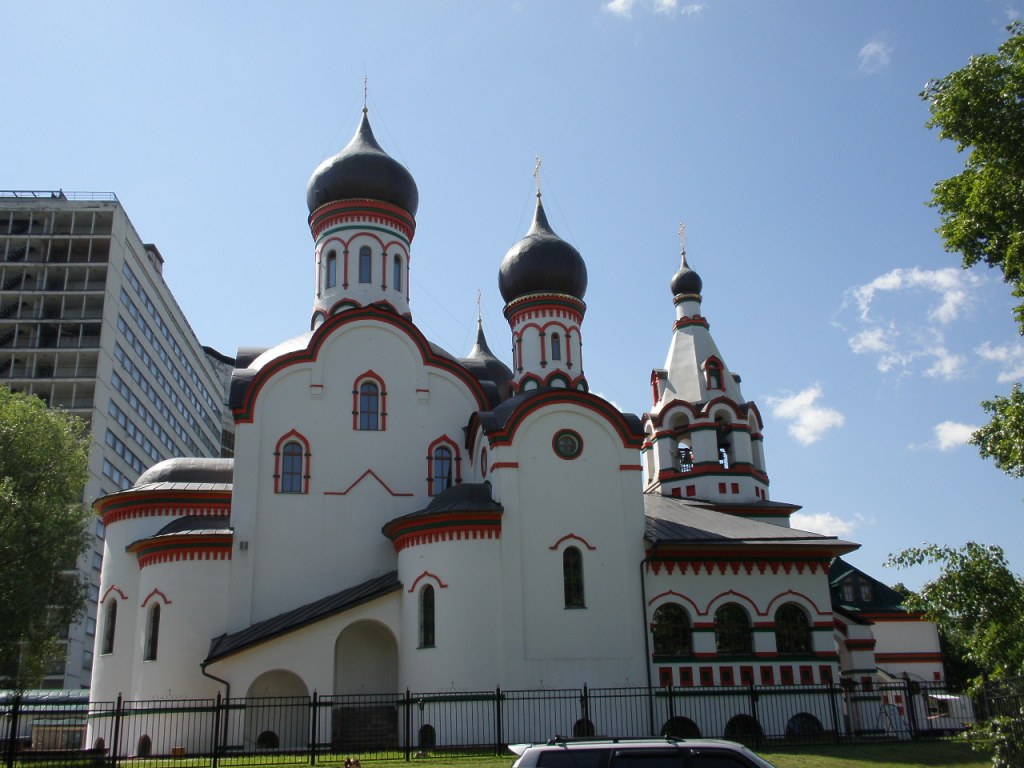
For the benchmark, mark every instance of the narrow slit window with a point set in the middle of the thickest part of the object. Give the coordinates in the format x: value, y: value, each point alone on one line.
x: 365, y: 264
x: 556, y: 347
x: 396, y: 276
x: 572, y: 577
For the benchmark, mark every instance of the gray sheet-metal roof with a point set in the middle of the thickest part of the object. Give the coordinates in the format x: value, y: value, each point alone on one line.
x: 304, y: 615
x: 182, y: 470
x: 671, y: 520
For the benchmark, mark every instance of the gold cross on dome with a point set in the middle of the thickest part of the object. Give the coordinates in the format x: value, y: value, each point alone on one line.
x: 682, y: 237
x: 536, y: 174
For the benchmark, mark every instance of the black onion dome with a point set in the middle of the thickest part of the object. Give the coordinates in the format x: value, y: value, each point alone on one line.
x: 362, y: 170
x: 686, y: 281
x: 542, y: 262
x: 486, y: 366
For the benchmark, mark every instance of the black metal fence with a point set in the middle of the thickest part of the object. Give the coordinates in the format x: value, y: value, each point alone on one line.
x: 328, y: 729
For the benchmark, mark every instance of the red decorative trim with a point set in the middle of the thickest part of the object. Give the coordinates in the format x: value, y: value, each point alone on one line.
x: 711, y: 366
x: 369, y: 211
x: 429, y: 529
x: 686, y: 321
x: 359, y: 480
x: 908, y: 658
x: 593, y: 403
x: 245, y: 413
x: 867, y: 644
x: 306, y: 459
x: 130, y: 505
x: 700, y: 559
x: 671, y: 593
x: 631, y: 467
x: 113, y: 588
x: 169, y: 549
x: 544, y: 305
x: 157, y: 593
x: 790, y: 593
x: 504, y: 465
x: 427, y: 575
x: 573, y: 537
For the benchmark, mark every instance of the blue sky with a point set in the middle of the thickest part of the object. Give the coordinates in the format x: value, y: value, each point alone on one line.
x: 788, y: 136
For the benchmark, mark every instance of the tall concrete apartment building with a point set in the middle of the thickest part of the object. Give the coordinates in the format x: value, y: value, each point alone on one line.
x: 88, y: 324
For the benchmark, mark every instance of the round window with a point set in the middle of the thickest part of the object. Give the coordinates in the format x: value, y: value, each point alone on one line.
x: 567, y: 444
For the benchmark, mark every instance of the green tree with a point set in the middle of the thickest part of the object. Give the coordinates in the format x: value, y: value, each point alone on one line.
x: 981, y: 108
x: 43, y: 470
x: 976, y: 601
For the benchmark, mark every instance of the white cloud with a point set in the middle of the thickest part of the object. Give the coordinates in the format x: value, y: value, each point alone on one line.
x: 952, y: 434
x: 1010, y: 356
x: 870, y: 340
x: 953, y: 287
x: 913, y: 340
x: 822, y: 522
x: 874, y: 57
x: 947, y: 365
x: 620, y: 7
x: 624, y: 8
x: 808, y: 422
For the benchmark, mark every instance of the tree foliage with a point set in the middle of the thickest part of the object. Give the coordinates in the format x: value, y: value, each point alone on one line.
x: 43, y: 470
x: 981, y: 108
x: 1002, y: 439
x: 976, y: 601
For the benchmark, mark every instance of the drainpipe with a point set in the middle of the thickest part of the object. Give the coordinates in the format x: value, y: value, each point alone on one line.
x: 647, y: 642
x: 227, y: 692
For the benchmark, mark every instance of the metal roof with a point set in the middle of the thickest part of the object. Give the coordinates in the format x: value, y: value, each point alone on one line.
x: 310, y: 613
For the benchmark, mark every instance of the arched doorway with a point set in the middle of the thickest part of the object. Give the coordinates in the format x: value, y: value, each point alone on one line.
x: 365, y: 713
x: 277, y: 712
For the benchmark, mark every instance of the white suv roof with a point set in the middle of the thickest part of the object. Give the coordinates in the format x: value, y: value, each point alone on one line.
x: 636, y: 753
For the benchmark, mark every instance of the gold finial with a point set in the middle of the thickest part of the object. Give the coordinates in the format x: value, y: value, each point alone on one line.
x: 536, y: 175
x: 682, y: 242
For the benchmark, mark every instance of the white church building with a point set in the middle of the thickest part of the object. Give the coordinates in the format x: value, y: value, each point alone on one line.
x: 399, y: 518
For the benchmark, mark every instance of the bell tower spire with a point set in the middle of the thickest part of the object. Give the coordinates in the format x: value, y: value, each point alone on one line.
x: 704, y: 439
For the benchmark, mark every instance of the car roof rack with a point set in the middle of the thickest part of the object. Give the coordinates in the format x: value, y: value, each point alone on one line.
x: 556, y: 739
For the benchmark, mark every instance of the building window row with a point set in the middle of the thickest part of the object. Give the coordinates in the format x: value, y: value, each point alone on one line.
x: 133, y: 401
x: 292, y: 465
x: 672, y: 631
x: 116, y: 475
x: 151, y: 308
x: 161, y: 353
x: 154, y: 397
x: 154, y: 369
x: 133, y: 461
x: 134, y: 432
x: 364, y: 269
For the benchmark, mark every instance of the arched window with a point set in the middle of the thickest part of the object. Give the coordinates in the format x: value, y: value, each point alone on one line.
x: 427, y: 636
x: 671, y: 630
x: 792, y: 630
x: 291, y: 464
x: 291, y: 468
x: 396, y: 274
x: 713, y: 372
x: 109, y: 625
x: 572, y: 577
x: 332, y: 270
x: 440, y: 470
x: 556, y: 347
x: 152, y: 632
x: 732, y: 631
x: 365, y: 264
x: 369, y: 406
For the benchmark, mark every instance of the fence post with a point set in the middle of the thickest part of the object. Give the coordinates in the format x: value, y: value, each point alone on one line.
x: 498, y: 730
x: 909, y: 686
x: 116, y: 742
x: 314, y: 715
x: 834, y: 711
x: 759, y: 733
x: 671, y: 703
x: 585, y: 708
x: 216, y: 731
x: 408, y: 726
x: 12, y: 735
